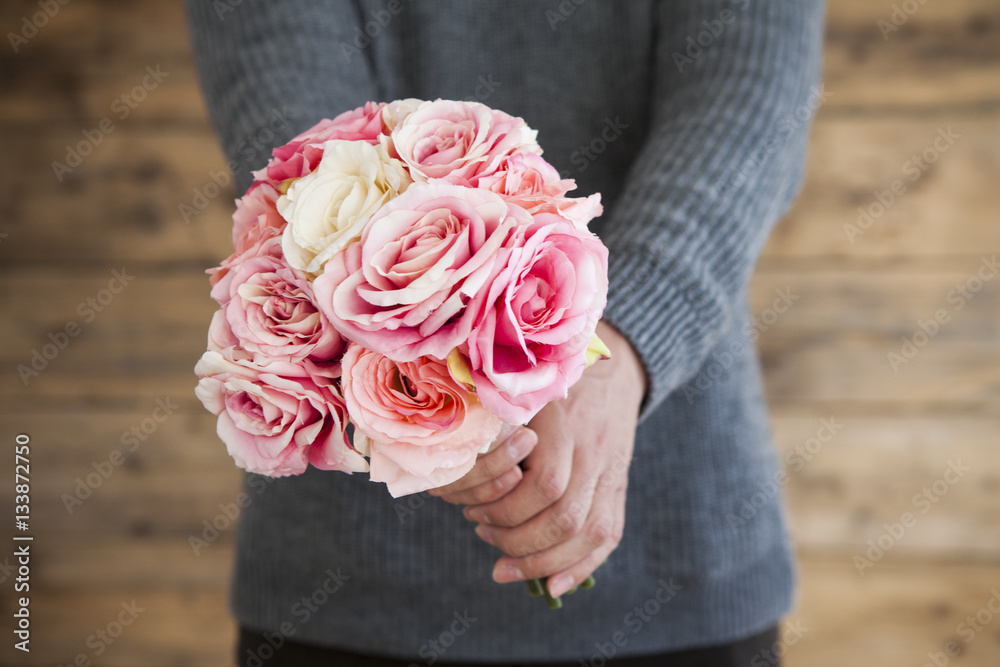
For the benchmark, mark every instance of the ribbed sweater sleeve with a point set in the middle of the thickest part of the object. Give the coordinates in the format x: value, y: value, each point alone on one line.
x: 721, y: 163
x: 275, y: 67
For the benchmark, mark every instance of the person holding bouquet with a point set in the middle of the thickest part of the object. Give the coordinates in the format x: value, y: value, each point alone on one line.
x: 691, y: 120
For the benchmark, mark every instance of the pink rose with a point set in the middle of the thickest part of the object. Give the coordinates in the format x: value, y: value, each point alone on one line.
x: 277, y: 418
x: 301, y: 155
x: 533, y: 184
x: 530, y: 346
x: 421, y: 427
x: 256, y: 225
x: 255, y: 211
x: 267, y: 244
x: 418, y: 277
x: 270, y: 309
x: 457, y: 141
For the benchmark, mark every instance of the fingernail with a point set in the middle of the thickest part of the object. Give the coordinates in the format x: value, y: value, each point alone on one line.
x: 503, y: 574
x: 474, y: 515
x: 508, y: 479
x: 519, y: 445
x: 559, y: 585
x: 484, y: 534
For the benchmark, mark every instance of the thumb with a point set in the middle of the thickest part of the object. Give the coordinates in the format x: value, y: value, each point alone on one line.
x: 506, y: 430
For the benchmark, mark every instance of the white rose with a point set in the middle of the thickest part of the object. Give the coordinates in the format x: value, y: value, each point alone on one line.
x: 328, y: 208
x: 394, y: 112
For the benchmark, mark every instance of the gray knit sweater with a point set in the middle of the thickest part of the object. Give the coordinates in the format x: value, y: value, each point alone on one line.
x: 691, y: 118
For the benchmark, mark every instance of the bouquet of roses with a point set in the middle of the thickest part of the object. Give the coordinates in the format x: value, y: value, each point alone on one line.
x: 407, y: 278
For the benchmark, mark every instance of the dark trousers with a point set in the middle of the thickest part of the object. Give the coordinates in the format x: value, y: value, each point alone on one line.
x: 254, y: 650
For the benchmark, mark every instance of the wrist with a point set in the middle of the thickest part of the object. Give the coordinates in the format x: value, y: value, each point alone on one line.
x: 624, y: 359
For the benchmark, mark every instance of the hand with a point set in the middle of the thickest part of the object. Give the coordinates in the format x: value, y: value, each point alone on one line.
x: 568, y: 512
x: 495, y: 473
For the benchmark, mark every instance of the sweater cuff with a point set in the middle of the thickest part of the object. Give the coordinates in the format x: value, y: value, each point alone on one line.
x: 665, y: 311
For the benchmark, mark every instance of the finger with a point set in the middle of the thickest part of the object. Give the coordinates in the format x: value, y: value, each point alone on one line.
x: 600, y: 536
x: 559, y: 523
x: 487, y: 491
x: 546, y: 475
x: 568, y: 579
x: 492, y: 465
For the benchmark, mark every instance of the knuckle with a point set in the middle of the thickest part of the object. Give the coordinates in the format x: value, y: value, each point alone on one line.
x: 600, y: 532
x: 484, y: 493
x: 570, y: 523
x: 618, y: 533
x: 493, y: 467
x: 609, y: 479
x: 552, y: 484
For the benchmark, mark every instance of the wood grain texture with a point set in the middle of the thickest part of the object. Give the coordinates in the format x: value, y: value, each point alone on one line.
x: 849, y: 476
x: 945, y: 199
x: 169, y: 628
x: 895, y: 617
x: 861, y: 286
x: 943, y: 57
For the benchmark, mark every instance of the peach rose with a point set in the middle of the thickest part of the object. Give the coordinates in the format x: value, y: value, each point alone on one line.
x: 420, y: 427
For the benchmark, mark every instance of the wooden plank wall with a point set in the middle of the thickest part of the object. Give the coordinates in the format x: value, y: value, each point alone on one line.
x: 895, y: 431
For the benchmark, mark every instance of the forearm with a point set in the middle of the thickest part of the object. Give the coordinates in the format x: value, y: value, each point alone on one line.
x: 722, y: 161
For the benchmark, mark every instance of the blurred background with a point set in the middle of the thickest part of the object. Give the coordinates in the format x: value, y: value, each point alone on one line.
x: 878, y: 302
